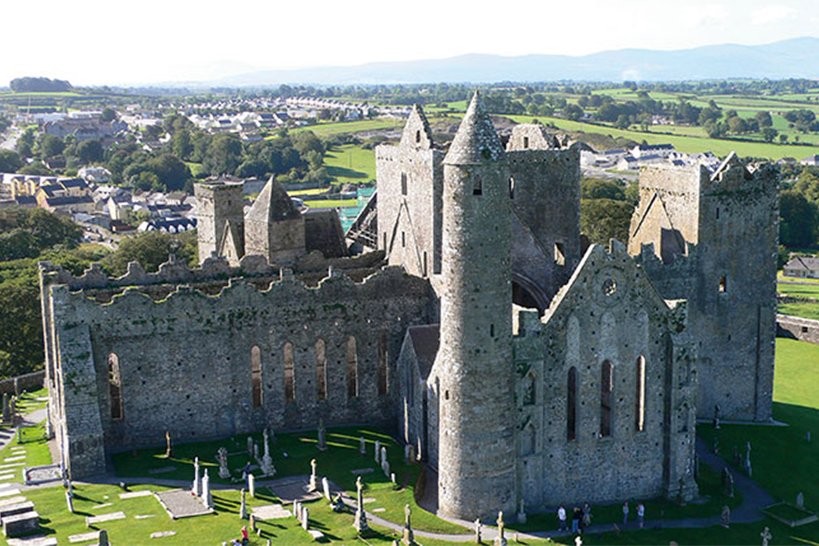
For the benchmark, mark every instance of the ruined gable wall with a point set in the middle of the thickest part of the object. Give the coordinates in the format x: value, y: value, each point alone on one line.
x: 587, y: 328
x: 410, y: 225
x: 186, y: 361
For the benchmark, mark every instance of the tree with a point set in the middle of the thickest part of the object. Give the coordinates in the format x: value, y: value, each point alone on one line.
x: 37, y: 168
x: 51, y: 146
x: 764, y: 119
x: 605, y: 219
x: 783, y: 138
x: 224, y: 155
x: 10, y: 161
x: 769, y: 134
x: 573, y: 112
x: 737, y: 125
x: 798, y: 220
x: 807, y: 183
x: 25, y: 143
x: 182, y: 144
x: 89, y: 151
x: 595, y: 188
x: 108, y: 114
x: 151, y: 249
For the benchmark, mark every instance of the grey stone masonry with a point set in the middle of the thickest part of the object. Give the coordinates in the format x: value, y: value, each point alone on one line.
x: 473, y: 371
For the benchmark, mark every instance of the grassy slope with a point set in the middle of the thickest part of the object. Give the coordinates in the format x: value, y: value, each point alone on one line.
x: 350, y: 163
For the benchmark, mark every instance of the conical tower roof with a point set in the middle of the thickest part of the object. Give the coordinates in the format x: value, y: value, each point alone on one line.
x: 272, y: 205
x: 476, y: 140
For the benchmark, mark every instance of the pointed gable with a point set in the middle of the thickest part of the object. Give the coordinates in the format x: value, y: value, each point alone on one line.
x: 273, y: 205
x: 417, y: 133
x: 476, y: 141
x: 229, y: 244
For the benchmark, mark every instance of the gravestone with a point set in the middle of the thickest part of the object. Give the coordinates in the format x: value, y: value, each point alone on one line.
x: 766, y: 536
x: 725, y: 517
x: 325, y: 487
x: 249, y: 445
x: 500, y: 540
x: 251, y: 485
x: 800, y: 500
x: 522, y: 512
x: 243, y: 506
x: 362, y: 446
x: 197, y: 484
x: 206, y: 496
x: 222, y: 457
x: 267, y: 461
x: 69, y: 501
x: 478, y: 537
x: 313, y: 484
x: 408, y: 538
x: 168, y: 447
x: 360, y: 521
x: 305, y: 518
x: 378, y: 451
x: 6, y: 407
x: 727, y: 483
x: 102, y: 540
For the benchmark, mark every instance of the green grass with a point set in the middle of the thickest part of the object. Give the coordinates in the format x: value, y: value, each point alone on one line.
x: 806, y: 290
x: 687, y: 144
x: 195, y: 168
x: 311, y: 191
x: 350, y: 163
x: 330, y: 203
x: 805, y: 310
x: 328, y: 129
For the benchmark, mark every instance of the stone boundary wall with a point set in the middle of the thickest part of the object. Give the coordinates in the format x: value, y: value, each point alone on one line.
x: 27, y: 382
x: 791, y: 327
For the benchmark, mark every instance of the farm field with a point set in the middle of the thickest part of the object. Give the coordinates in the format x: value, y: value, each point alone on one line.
x: 350, y: 163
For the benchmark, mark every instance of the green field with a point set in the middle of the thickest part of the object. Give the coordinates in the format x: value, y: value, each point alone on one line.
x: 329, y: 129
x: 330, y: 203
x: 350, y: 163
x: 687, y: 144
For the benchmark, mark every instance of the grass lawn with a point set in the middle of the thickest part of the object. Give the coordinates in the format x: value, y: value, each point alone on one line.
x: 311, y: 191
x: 350, y: 163
x: 196, y: 168
x: 805, y: 310
x: 327, y: 129
x: 806, y: 290
x: 330, y: 203
x: 687, y: 144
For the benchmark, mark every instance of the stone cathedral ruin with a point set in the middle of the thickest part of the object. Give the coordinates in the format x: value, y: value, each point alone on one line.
x: 473, y: 325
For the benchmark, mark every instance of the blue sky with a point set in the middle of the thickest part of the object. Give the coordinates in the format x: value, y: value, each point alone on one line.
x: 104, y: 41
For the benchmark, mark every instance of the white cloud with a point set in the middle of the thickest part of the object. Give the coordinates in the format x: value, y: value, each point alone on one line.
x: 771, y: 14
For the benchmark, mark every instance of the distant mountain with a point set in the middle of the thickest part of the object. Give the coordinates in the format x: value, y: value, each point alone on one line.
x: 795, y: 58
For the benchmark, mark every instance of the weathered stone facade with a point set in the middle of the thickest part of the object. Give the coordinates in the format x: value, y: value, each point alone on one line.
x: 711, y: 238
x: 519, y: 369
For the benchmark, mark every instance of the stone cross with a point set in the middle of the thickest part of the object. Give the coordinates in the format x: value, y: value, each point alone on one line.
x: 267, y: 462
x: 325, y: 486
x: 378, y: 451
x: 766, y: 536
x: 249, y: 445
x: 522, y: 512
x: 409, y: 537
x: 255, y: 451
x: 251, y: 485
x: 313, y: 477
x: 360, y: 521
x: 725, y: 516
x: 197, y: 485
x: 322, y: 436
x: 500, y: 540
x: 362, y: 446
x: 102, y: 539
x: 222, y: 457
x: 383, y: 454
x: 385, y: 467
x: 168, y: 448
x: 206, y: 498
x: 6, y: 407
x: 800, y: 500
x: 305, y: 518
x: 478, y: 537
x: 243, y: 507
x: 69, y: 501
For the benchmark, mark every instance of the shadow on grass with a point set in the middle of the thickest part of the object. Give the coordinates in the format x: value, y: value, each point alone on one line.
x: 344, y: 172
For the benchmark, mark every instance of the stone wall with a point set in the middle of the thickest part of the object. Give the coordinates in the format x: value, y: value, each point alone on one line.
x: 797, y: 328
x: 185, y: 362
x: 608, y: 314
x: 28, y: 382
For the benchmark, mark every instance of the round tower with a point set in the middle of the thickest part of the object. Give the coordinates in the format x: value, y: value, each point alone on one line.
x: 477, y: 449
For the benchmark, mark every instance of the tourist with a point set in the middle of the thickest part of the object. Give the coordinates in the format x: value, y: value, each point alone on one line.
x: 561, y: 516
x: 576, y: 517
x: 245, y: 538
x: 587, y: 517
x: 641, y: 513
x: 625, y: 513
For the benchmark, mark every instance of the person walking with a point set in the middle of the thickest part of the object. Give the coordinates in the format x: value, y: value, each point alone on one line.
x: 625, y: 513
x: 587, y: 517
x: 576, y: 516
x: 641, y: 514
x: 561, y: 517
